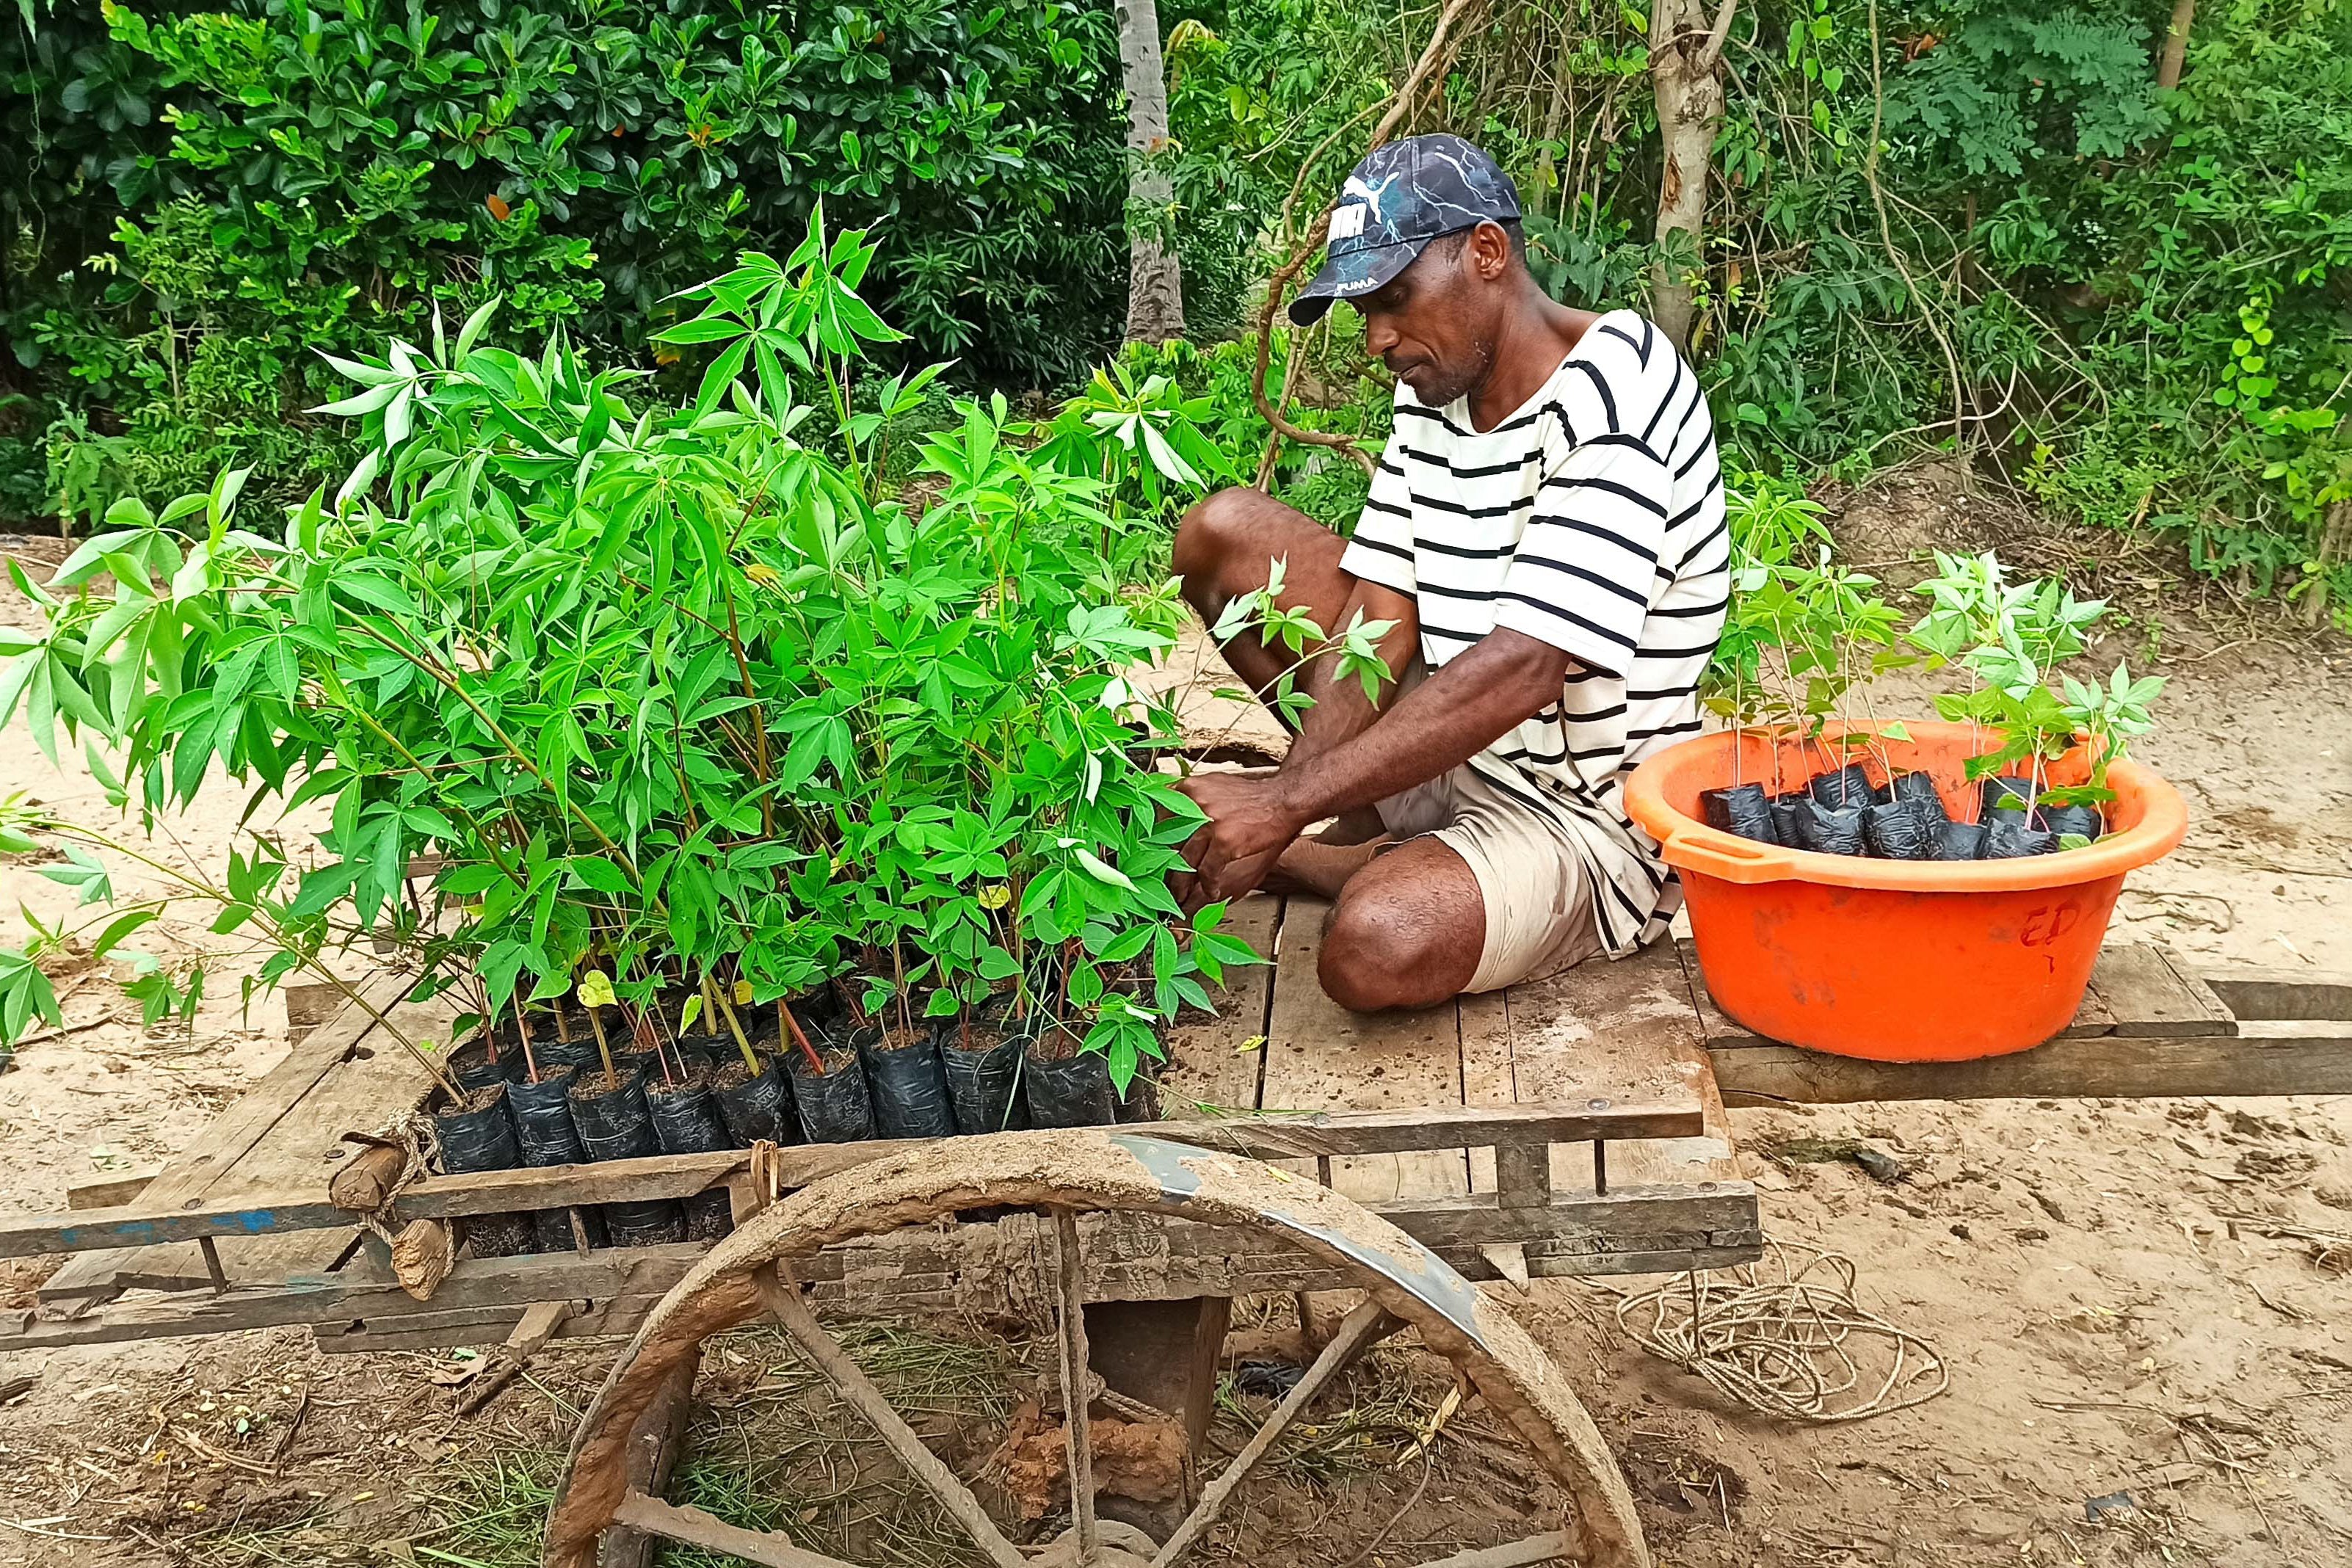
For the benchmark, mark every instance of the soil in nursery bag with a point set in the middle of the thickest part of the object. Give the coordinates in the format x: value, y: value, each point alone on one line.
x: 615, y: 1124
x: 543, y: 1132
x: 471, y: 1065
x: 2007, y: 838
x: 695, y: 1049
x: 2077, y: 819
x: 550, y: 1052
x: 1785, y: 810
x: 1848, y: 787
x: 1068, y: 1091
x: 755, y: 1109
x: 984, y: 1074
x: 686, y: 1121
x: 833, y: 1107
x: 477, y: 1137
x: 1827, y: 832
x: 1901, y: 830
x: 910, y: 1091
x: 1744, y: 809
x: 1961, y: 841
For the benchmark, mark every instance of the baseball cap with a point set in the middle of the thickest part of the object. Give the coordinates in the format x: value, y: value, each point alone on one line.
x: 1402, y: 196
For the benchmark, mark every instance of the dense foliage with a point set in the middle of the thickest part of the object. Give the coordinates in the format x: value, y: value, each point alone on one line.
x: 676, y: 692
x: 195, y: 196
x: 1972, y: 223
x: 2135, y: 298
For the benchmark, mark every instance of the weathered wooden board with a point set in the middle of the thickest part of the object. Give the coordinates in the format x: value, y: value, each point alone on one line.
x: 1319, y: 1056
x: 2254, y: 1061
x: 2151, y: 1027
x: 1616, y: 1030
x: 2280, y: 995
x: 2153, y: 999
x: 990, y: 1269
x: 298, y: 1155
x: 1211, y: 1068
x: 231, y: 1137
x: 235, y: 1214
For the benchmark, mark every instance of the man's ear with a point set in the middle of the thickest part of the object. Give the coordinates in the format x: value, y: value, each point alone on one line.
x: 1490, y: 251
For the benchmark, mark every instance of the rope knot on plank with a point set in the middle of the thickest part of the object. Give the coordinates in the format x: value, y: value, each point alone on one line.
x: 425, y: 1250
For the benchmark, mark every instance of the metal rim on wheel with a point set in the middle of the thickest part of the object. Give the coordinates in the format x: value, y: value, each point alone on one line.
x: 751, y: 1273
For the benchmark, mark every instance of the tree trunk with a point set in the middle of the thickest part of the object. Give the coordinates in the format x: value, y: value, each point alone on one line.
x: 1685, y: 61
x: 2333, y: 550
x: 1155, y: 289
x: 2176, y: 44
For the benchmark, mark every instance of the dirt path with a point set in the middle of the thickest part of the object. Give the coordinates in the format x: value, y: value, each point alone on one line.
x: 2111, y: 1326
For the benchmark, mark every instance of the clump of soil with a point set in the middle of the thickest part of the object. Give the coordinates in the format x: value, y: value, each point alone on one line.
x: 1142, y: 1461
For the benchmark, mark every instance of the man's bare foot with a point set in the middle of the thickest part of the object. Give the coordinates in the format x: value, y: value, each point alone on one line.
x: 1318, y: 866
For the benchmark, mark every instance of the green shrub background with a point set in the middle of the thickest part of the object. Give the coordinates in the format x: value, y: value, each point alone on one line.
x: 195, y: 196
x: 2141, y: 295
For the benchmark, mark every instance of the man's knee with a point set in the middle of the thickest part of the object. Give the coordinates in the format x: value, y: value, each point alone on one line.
x: 1211, y: 533
x: 1397, y: 947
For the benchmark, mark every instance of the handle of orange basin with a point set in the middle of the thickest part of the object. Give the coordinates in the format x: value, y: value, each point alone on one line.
x: 1728, y: 856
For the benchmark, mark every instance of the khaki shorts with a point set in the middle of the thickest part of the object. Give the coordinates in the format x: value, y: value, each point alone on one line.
x: 1539, y: 911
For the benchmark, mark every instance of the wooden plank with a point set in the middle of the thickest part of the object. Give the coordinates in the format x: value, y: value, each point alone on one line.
x: 2153, y: 1000
x: 1319, y: 1056
x: 988, y: 1270
x: 230, y: 1136
x: 1232, y: 1271
x: 1700, y: 1213
x: 1209, y: 1070
x: 2092, y: 1017
x: 1485, y: 1023
x: 1609, y: 1031
x: 308, y: 1006
x: 310, y: 1206
x: 694, y: 1527
x: 111, y: 1189
x: 2263, y: 1058
x: 298, y: 1157
x: 2251, y: 990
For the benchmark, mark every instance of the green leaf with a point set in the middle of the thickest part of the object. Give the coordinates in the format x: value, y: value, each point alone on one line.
x: 1101, y: 872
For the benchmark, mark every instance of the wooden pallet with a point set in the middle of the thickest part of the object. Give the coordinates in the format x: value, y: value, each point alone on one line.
x: 283, y: 1136
x: 2153, y: 1024
x: 1444, y: 1120
x: 1575, y: 1126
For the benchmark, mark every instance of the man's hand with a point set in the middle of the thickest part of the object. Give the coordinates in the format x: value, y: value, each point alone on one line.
x: 1250, y: 822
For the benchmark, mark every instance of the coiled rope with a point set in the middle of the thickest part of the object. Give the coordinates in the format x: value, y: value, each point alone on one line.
x: 1785, y: 1336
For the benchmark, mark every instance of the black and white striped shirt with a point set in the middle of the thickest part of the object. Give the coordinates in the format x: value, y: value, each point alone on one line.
x: 1592, y: 518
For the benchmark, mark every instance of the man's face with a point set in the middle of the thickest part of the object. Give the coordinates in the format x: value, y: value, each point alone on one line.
x: 1435, y: 324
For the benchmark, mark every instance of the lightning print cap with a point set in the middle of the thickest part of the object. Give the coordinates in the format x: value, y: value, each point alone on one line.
x: 1400, y: 197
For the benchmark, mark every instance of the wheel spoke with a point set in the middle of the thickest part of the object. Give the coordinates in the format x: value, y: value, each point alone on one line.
x: 1077, y: 1433
x: 784, y: 1298
x: 1366, y: 1324
x: 693, y: 1527
x: 1554, y: 1547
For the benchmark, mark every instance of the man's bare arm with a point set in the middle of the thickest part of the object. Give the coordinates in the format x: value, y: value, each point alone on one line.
x: 1507, y: 678
x: 1502, y: 682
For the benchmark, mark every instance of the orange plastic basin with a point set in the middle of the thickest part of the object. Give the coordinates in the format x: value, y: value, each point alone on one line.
x: 1893, y: 960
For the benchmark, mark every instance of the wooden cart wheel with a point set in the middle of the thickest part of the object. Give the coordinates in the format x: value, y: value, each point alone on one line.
x: 1065, y: 1174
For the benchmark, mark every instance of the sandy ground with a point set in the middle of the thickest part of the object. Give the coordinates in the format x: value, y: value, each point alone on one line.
x: 2118, y: 1321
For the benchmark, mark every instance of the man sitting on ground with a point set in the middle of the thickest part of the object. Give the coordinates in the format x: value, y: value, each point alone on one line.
x: 1547, y: 530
